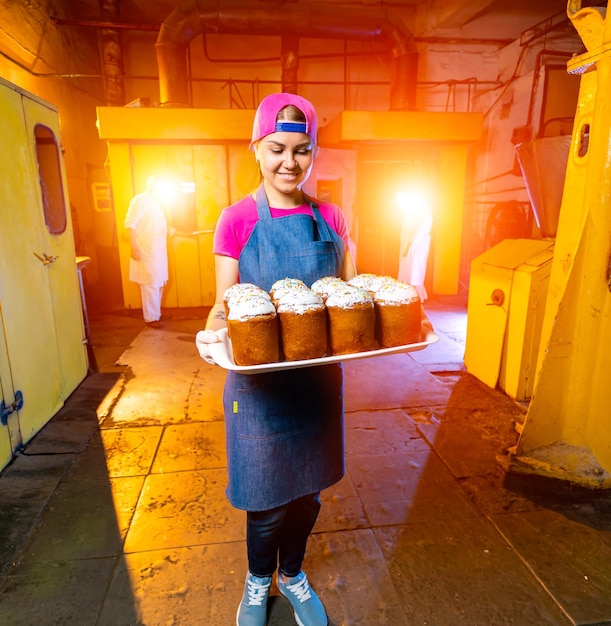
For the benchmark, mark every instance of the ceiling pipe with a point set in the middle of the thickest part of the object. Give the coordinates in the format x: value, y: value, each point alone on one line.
x: 297, y: 19
x: 289, y: 52
x: 112, y: 57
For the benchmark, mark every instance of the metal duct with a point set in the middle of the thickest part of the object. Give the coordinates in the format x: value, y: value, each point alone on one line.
x: 313, y: 20
x: 112, y: 59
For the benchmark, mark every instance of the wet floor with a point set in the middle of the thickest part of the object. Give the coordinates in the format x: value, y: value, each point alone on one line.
x: 115, y: 513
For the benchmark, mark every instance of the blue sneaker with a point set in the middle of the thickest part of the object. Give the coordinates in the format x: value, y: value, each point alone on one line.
x: 253, y: 607
x: 307, y: 606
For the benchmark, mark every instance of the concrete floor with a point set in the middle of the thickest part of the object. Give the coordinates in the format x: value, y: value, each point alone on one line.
x: 115, y: 513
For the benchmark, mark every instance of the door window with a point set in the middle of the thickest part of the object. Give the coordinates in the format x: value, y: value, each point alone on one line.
x: 51, y: 186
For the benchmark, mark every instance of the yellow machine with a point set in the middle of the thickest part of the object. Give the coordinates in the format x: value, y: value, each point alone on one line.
x: 566, y: 434
x: 507, y: 292
x: 43, y: 353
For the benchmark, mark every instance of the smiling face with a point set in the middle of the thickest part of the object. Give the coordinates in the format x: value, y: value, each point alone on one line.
x: 285, y: 159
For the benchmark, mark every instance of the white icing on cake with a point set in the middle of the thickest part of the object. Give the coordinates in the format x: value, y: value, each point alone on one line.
x: 249, y: 305
x: 371, y: 282
x: 396, y: 293
x: 243, y: 289
x: 299, y: 301
x: 347, y: 296
x: 286, y: 284
x: 324, y: 286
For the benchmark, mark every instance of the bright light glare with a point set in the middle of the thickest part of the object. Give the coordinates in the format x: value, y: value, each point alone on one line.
x: 166, y: 190
x: 416, y: 201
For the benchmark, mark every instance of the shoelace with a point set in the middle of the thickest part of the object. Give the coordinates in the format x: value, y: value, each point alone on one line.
x: 256, y: 593
x: 301, y: 589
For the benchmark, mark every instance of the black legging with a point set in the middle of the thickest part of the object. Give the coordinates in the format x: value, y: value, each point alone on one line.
x: 279, y: 536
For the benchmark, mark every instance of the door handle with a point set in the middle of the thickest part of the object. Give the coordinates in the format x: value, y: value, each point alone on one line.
x: 7, y: 409
x: 45, y: 259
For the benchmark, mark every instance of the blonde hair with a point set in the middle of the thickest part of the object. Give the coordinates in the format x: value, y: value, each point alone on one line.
x: 291, y: 113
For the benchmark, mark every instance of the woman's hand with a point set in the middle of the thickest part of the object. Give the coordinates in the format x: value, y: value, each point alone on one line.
x: 203, y: 339
x: 226, y: 269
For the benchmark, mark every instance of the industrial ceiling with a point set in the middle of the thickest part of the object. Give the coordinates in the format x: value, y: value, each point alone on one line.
x: 498, y: 19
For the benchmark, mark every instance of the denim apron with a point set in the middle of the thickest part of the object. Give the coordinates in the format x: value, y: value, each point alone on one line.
x: 285, y: 431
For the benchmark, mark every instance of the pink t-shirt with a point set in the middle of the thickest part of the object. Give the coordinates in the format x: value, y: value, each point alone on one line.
x: 237, y: 221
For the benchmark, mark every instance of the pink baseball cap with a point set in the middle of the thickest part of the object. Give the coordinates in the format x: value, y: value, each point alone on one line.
x: 265, y: 118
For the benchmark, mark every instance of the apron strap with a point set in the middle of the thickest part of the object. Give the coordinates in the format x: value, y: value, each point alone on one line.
x: 263, y: 210
x: 324, y: 230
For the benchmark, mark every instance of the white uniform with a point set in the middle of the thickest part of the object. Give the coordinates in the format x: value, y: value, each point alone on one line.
x: 146, y: 217
x: 414, y: 250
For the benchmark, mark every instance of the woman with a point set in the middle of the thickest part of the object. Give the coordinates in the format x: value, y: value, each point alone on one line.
x: 285, y: 441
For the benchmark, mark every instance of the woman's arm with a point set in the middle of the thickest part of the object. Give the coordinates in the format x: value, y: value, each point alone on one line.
x: 348, y: 268
x: 226, y: 270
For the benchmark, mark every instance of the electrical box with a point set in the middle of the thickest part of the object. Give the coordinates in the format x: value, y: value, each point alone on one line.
x: 507, y: 294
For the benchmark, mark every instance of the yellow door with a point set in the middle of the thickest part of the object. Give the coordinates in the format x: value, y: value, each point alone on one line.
x: 62, y: 274
x: 7, y: 444
x: 42, y: 357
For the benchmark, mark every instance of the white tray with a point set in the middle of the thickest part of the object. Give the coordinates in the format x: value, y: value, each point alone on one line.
x: 222, y: 353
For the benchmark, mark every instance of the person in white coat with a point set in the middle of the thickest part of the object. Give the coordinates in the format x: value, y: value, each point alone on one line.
x: 147, y: 225
x: 415, y: 243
